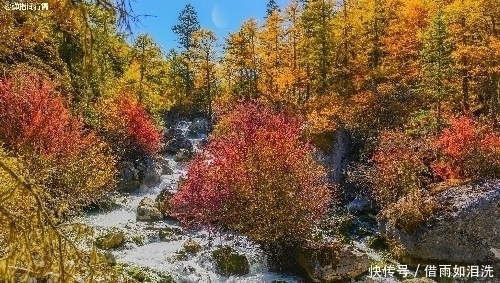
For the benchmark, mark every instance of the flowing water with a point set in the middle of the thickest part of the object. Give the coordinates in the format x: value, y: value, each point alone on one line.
x: 148, y: 251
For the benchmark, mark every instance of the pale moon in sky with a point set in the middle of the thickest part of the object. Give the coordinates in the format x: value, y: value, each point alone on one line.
x: 218, y: 18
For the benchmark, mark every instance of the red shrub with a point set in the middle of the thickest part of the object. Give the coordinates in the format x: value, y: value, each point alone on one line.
x: 139, y: 125
x: 74, y: 166
x: 257, y: 177
x: 33, y: 116
x: 468, y: 149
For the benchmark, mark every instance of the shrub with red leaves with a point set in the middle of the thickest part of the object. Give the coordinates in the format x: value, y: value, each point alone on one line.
x: 468, y: 149
x: 139, y: 125
x: 74, y: 166
x: 256, y: 177
x: 34, y: 117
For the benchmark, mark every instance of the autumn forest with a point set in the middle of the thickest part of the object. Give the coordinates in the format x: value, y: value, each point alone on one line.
x: 291, y: 118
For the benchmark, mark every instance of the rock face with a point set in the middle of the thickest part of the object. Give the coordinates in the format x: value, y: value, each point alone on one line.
x: 331, y: 262
x: 229, y: 262
x: 175, y: 141
x: 133, y: 174
x: 335, y: 159
x: 467, y: 231
x: 148, y: 210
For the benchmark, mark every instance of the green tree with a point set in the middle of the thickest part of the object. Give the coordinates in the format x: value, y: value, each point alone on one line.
x: 188, y: 24
x: 318, y: 45
x: 438, y: 69
x: 271, y: 7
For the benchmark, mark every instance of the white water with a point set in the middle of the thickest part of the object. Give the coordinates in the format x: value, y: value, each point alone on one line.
x: 161, y: 255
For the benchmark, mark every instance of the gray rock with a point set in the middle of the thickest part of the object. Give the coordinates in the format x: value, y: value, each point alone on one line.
x: 175, y: 141
x: 149, y: 172
x: 358, y: 205
x: 148, y: 210
x: 199, y: 127
x: 331, y: 262
x: 466, y: 231
x: 183, y: 156
x: 134, y: 174
x: 165, y: 169
x: 335, y: 155
x: 128, y: 177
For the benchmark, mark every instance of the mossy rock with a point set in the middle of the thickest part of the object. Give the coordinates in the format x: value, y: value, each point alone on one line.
x: 191, y: 246
x: 229, y: 262
x: 108, y: 257
x: 111, y: 240
x: 168, y: 234
x: 183, y: 155
x: 377, y: 243
x: 139, y: 240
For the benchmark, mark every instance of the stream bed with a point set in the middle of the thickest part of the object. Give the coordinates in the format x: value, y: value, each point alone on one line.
x: 144, y: 248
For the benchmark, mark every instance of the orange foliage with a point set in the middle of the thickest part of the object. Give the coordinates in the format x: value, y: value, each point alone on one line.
x: 466, y: 147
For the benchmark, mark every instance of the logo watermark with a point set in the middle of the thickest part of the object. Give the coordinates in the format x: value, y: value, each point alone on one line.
x: 26, y: 6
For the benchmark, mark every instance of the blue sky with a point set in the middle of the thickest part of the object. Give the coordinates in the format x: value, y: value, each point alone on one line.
x: 220, y: 16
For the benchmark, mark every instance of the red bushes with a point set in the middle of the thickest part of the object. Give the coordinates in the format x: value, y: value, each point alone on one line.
x: 255, y: 176
x: 74, y: 166
x: 33, y: 117
x: 139, y: 125
x: 468, y: 149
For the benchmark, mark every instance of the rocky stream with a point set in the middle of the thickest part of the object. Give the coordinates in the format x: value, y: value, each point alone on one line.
x: 135, y: 233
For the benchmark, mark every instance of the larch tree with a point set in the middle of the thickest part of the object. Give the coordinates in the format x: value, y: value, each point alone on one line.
x: 241, y: 62
x: 270, y: 49
x: 204, y: 54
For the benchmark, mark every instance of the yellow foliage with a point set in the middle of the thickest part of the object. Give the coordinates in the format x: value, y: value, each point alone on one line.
x: 33, y: 246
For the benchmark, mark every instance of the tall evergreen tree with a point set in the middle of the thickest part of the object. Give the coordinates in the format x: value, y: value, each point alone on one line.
x: 437, y: 62
x: 188, y: 23
x: 272, y: 7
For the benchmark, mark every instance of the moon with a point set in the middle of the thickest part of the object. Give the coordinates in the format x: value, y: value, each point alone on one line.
x: 218, y: 18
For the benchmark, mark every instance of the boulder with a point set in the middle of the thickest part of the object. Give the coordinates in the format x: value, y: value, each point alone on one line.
x: 148, y: 210
x: 128, y: 177
x: 133, y: 174
x: 112, y: 239
x: 198, y: 128
x: 163, y: 199
x: 466, y: 231
x: 108, y: 257
x: 229, y: 262
x: 191, y: 246
x: 175, y: 141
x: 149, y: 172
x: 165, y: 169
x: 327, y: 262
